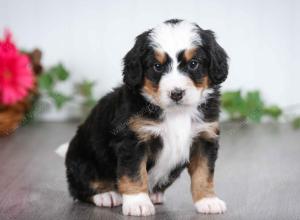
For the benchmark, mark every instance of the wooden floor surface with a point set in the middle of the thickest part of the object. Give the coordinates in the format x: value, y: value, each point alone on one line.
x: 257, y: 174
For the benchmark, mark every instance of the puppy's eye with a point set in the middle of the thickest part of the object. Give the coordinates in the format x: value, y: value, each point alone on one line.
x: 193, y: 65
x: 158, y: 68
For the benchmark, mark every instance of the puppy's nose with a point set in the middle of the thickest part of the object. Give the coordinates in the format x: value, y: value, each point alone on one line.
x: 177, y: 94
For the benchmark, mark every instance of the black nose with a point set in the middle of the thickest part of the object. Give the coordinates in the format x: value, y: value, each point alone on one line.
x: 177, y: 94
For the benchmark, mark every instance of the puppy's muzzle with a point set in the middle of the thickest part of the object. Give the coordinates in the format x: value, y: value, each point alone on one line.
x: 177, y: 94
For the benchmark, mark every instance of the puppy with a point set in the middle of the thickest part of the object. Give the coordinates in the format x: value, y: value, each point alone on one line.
x: 163, y: 119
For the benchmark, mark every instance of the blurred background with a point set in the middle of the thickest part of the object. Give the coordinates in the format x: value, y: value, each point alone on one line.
x: 89, y: 39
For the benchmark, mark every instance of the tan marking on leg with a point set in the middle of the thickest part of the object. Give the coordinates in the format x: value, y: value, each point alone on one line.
x: 102, y: 186
x: 129, y: 185
x: 201, y: 179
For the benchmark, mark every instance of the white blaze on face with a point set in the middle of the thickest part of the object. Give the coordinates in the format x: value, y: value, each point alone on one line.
x: 172, y: 39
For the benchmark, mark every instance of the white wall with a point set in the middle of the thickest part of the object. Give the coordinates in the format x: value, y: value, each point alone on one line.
x: 91, y: 37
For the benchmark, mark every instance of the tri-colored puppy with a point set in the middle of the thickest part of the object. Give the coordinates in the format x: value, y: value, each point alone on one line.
x: 164, y: 118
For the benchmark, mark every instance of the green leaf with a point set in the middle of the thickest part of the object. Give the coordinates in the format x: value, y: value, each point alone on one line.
x: 254, y: 106
x: 85, y: 88
x: 233, y: 104
x: 58, y: 72
x: 59, y: 99
x: 90, y: 103
x: 273, y: 111
x: 296, y: 122
x: 249, y: 106
x: 45, y: 81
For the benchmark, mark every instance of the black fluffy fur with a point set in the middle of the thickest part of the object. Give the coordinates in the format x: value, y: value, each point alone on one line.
x: 104, y: 148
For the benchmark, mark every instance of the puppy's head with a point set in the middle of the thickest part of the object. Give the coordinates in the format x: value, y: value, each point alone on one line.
x: 175, y: 64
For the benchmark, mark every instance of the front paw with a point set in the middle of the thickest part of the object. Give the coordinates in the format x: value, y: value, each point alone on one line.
x: 210, y: 205
x: 137, y: 205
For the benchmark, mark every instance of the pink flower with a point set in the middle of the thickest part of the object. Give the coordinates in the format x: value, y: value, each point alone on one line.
x: 16, y: 76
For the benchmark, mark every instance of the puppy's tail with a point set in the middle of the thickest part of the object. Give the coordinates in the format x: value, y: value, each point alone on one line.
x: 62, y: 150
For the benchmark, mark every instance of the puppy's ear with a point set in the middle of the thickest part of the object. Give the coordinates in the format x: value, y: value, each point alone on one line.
x: 133, y: 66
x: 218, y: 59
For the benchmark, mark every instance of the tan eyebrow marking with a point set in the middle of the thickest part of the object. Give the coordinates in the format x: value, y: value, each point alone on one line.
x: 160, y: 56
x: 189, y: 53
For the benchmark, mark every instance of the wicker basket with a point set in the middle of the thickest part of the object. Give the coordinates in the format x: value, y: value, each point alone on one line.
x: 11, y: 117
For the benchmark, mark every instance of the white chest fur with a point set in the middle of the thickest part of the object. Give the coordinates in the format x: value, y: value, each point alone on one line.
x: 177, y: 131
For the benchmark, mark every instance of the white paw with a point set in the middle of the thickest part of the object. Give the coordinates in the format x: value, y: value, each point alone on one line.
x: 212, y: 205
x: 137, y: 205
x: 157, y: 198
x: 108, y: 199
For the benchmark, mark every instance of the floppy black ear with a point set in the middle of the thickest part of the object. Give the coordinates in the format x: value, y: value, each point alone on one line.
x: 133, y: 67
x: 218, y: 59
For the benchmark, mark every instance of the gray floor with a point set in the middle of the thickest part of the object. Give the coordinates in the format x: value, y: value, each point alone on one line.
x: 257, y: 174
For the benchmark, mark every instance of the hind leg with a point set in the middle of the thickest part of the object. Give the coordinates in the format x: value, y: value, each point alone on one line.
x: 100, y: 193
x: 157, y: 197
x: 107, y: 194
x: 87, y: 185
